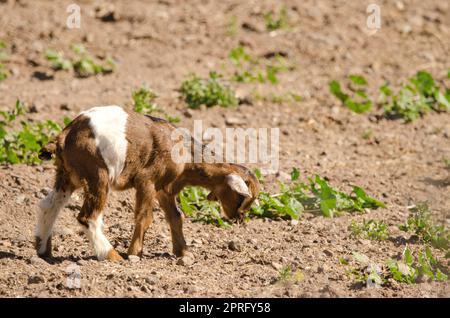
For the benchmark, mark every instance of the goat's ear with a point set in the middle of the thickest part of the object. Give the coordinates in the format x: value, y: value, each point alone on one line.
x: 237, y: 184
x: 211, y: 197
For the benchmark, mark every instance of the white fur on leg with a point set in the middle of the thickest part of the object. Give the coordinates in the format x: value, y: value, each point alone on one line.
x: 98, y: 240
x: 49, y: 210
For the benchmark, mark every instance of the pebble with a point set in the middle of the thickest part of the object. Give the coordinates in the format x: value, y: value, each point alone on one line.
x: 197, y: 241
x: 188, y: 113
x: 37, y: 261
x: 151, y: 280
x: 133, y: 258
x: 276, y: 266
x: 21, y: 199
x: 185, y: 261
x: 234, y: 121
x: 234, y: 246
x: 35, y: 279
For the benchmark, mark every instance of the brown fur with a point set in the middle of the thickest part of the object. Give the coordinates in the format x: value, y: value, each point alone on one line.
x: 149, y: 169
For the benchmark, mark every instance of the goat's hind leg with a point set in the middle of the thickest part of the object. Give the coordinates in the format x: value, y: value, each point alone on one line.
x: 175, y: 219
x: 49, y: 209
x: 143, y: 215
x: 91, y: 217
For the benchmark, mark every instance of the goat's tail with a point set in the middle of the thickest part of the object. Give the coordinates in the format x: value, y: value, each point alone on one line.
x: 48, y: 150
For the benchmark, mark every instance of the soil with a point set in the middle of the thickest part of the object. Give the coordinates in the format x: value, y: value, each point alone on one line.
x: 160, y: 43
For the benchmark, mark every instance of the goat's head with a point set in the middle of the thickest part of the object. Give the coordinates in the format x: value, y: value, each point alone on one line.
x: 236, y: 194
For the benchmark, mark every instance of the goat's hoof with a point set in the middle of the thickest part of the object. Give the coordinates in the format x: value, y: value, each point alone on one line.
x: 113, y: 256
x: 136, y: 252
x: 48, y: 248
x: 182, y: 253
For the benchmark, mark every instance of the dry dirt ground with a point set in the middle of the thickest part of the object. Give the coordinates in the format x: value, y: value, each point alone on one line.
x: 160, y: 43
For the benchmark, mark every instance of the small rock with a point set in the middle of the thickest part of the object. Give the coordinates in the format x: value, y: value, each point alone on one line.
x: 36, y: 279
x: 82, y: 262
x: 145, y: 289
x: 37, y: 261
x: 88, y: 38
x: 246, y: 100
x: 197, y: 241
x: 34, y: 109
x: 64, y: 106
x: 284, y: 176
x: 234, y: 121
x: 251, y: 27
x: 400, y: 6
x: 15, y: 71
x: 185, y: 261
x: 328, y: 253
x: 151, y: 280
x: 364, y: 242
x: 21, y: 199
x: 252, y: 241
x: 133, y: 258
x: 294, y: 222
x: 188, y: 113
x: 234, y: 246
x: 276, y: 266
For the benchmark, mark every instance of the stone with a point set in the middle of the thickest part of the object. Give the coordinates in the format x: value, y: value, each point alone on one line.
x: 185, y: 261
x: 276, y: 266
x: 234, y: 121
x: 133, y: 258
x: 35, y: 279
x: 151, y: 280
x: 234, y: 246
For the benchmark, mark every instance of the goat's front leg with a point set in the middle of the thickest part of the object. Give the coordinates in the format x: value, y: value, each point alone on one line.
x: 175, y: 218
x: 49, y: 209
x: 143, y: 215
x: 91, y: 218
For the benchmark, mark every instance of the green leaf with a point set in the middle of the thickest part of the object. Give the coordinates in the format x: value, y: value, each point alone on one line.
x: 408, y: 257
x: 335, y: 89
x: 295, y: 174
x: 442, y: 100
x: 358, y: 80
x: 368, y: 201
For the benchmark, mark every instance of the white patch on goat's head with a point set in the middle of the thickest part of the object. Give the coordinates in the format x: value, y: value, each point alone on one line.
x: 108, y: 124
x: 237, y: 184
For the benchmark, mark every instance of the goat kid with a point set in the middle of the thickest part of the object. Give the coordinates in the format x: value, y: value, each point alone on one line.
x: 109, y: 148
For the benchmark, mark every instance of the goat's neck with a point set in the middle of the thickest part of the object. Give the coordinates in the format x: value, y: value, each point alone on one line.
x: 205, y: 175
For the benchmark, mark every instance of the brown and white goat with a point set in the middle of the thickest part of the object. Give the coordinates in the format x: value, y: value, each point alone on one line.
x: 110, y: 148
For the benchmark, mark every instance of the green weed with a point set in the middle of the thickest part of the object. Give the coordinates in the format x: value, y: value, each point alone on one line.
x: 315, y: 196
x: 209, y: 92
x: 23, y: 145
x: 371, y: 229
x: 249, y: 69
x: 194, y: 203
x: 359, y: 102
x: 419, y: 96
x: 411, y: 268
x: 275, y: 21
x: 420, y: 222
x: 144, y: 103
x: 82, y: 62
x: 4, y: 73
